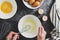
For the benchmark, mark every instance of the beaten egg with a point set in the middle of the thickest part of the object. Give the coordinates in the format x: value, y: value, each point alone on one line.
x: 0, y: 6
x: 6, y: 7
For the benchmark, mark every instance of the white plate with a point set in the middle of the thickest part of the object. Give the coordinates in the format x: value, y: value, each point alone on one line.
x: 7, y: 16
x: 29, y: 6
x: 35, y: 23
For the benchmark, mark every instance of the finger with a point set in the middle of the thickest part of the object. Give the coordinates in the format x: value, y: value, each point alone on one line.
x: 8, y: 37
x: 13, y: 33
x: 38, y: 33
x: 43, y: 30
x: 38, y: 30
x: 15, y: 37
x: 38, y: 38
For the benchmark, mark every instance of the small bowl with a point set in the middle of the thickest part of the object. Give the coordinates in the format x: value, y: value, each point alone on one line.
x: 34, y: 24
x: 31, y: 7
x: 12, y: 13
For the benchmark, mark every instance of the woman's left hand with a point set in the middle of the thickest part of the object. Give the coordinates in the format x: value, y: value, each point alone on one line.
x: 10, y: 36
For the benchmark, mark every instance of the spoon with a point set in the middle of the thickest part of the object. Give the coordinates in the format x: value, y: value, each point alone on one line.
x: 26, y: 28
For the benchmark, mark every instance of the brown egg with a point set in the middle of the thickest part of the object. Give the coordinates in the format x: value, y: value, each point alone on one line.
x: 31, y: 1
x: 39, y: 0
x: 35, y: 4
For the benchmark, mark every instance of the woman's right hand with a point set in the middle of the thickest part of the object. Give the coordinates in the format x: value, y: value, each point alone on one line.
x: 41, y: 34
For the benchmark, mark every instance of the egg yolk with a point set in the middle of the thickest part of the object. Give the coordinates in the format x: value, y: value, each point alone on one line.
x: 6, y: 7
x: 0, y: 6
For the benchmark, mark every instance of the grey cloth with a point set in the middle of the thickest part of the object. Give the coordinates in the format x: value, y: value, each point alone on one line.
x: 54, y: 19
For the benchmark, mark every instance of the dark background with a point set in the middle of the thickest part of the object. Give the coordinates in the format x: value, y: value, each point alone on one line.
x: 12, y: 24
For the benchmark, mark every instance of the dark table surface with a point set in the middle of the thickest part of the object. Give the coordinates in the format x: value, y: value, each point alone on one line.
x: 11, y: 24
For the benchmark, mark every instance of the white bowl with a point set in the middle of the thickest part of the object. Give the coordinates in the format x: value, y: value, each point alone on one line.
x: 12, y: 13
x: 31, y: 7
x: 35, y: 23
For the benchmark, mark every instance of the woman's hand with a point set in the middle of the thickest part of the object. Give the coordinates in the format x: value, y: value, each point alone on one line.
x: 41, y: 34
x: 13, y: 36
